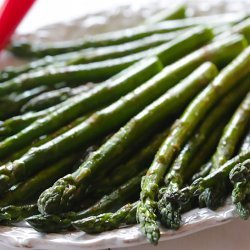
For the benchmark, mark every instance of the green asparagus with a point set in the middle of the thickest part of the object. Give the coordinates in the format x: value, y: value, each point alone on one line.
x: 15, y: 124
x: 26, y: 49
x: 44, y: 139
x: 11, y: 105
x: 69, y: 188
x: 115, y: 51
x: 91, y: 54
x: 183, y: 166
x: 226, y: 148
x: 221, y: 53
x: 72, y: 108
x: 240, y: 178
x: 51, y: 98
x: 132, y: 167
x: 204, y: 171
x: 233, y: 133
x: 55, y: 223
x: 169, y: 214
x: 184, y: 195
x: 31, y: 188
x: 93, y: 72
x: 167, y: 53
x: 12, y: 213
x: 180, y: 132
x: 126, y: 215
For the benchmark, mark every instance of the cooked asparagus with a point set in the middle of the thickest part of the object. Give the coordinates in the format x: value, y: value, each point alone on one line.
x: 226, y: 149
x: 240, y: 178
x: 173, y: 100
x: 118, y: 37
x: 179, y: 134
x: 121, y: 195
x: 126, y: 215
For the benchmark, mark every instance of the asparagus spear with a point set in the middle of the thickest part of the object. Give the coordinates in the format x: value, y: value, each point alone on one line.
x: 180, y: 132
x: 167, y: 53
x: 184, y: 195
x: 15, y: 124
x: 12, y: 213
x: 26, y: 49
x: 115, y: 51
x: 51, y: 98
x: 169, y: 214
x: 92, y: 54
x: 121, y: 195
x: 126, y: 215
x: 240, y: 178
x: 220, y: 53
x: 204, y: 171
x: 233, y: 133
x: 11, y: 105
x: 29, y: 189
x: 132, y: 167
x: 72, y: 108
x: 181, y: 165
x: 173, y: 100
x: 44, y: 139
x: 94, y: 72
x: 190, y: 158
x: 229, y: 141
x: 178, y: 12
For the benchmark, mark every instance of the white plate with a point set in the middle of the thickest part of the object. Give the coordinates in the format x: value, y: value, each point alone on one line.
x: 22, y: 236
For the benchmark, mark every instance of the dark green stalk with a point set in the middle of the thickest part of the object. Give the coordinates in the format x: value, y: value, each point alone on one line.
x: 233, y: 133
x: 11, y: 214
x: 172, y: 101
x: 74, y: 107
x: 11, y: 105
x: 179, y: 134
x: 126, y: 215
x: 117, y: 51
x: 91, y: 54
x: 44, y: 139
x: 50, y: 75
x: 204, y: 171
x: 31, y: 188
x: 26, y: 49
x: 196, y: 151
x: 182, y: 197
x: 220, y: 53
x: 226, y: 148
x: 51, y: 98
x: 95, y: 72
x: 55, y: 223
x: 132, y: 167
x: 178, y: 175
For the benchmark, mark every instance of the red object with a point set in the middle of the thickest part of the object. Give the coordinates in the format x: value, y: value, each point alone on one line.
x: 11, y: 14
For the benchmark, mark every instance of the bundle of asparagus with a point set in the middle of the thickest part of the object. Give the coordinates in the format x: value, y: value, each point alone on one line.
x: 133, y: 126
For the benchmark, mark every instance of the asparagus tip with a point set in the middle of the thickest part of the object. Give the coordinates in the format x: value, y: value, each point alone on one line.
x: 57, y: 199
